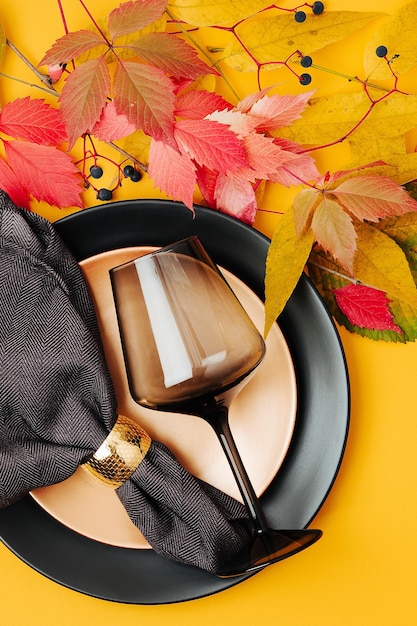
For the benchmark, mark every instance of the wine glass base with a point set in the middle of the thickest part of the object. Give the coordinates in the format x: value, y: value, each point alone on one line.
x: 267, y: 548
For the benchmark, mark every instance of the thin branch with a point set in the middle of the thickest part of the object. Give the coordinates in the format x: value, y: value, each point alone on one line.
x: 44, y: 78
x: 140, y: 165
x: 47, y: 90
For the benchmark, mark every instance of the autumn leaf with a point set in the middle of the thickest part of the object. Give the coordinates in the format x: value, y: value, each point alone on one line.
x: 211, y: 144
x: 276, y: 111
x: 334, y: 231
x: 145, y: 95
x: 71, y: 46
x: 380, y: 263
x: 287, y: 256
x: 366, y: 307
x: 235, y: 196
x: 215, y: 12
x: 273, y: 38
x: 304, y: 203
x: 83, y: 97
x: 196, y: 105
x: 112, y: 125
x: 3, y: 42
x: 129, y: 17
x: 373, y: 197
x: 206, y: 181
x: 47, y: 173
x: 397, y: 33
x: 172, y: 55
x: 32, y: 120
x: 402, y: 229
x: 172, y: 172
x: 296, y: 167
x: 10, y: 183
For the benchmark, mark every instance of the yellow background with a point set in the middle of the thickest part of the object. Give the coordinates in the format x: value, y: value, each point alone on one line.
x: 363, y: 571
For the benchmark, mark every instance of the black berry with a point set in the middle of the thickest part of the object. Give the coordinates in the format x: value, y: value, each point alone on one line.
x: 128, y: 170
x: 306, y: 61
x: 104, y: 194
x: 136, y: 176
x: 381, y: 51
x: 96, y: 171
x: 318, y: 8
x: 305, y: 79
x: 300, y: 16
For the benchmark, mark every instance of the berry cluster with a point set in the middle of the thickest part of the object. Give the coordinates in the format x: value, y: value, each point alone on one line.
x: 306, y: 61
x: 96, y: 172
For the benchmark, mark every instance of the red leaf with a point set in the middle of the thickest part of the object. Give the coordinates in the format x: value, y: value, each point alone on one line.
x: 84, y: 96
x: 366, y: 307
x: 70, y: 46
x: 211, y: 144
x: 112, y: 126
x: 48, y: 174
x: 172, y: 55
x: 132, y: 16
x: 196, y: 105
x: 206, y: 180
x: 172, y: 172
x: 10, y: 183
x: 374, y: 197
x: 32, y: 120
x: 235, y: 196
x: 277, y: 111
x: 145, y: 95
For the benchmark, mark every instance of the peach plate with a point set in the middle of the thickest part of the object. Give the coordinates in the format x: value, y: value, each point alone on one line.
x: 262, y: 419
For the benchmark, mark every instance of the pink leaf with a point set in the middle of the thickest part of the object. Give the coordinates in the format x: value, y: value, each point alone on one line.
x: 145, y: 95
x: 247, y: 103
x: 366, y: 307
x: 295, y: 167
x: 278, y: 111
x: 235, y: 196
x: 112, y: 125
x: 131, y: 16
x: 33, y: 120
x: 197, y: 104
x: 84, y: 96
x: 172, y: 55
x: 334, y: 231
x: 374, y: 197
x: 264, y: 156
x: 10, y: 183
x: 47, y: 173
x: 211, y: 144
x: 70, y: 46
x: 238, y: 122
x: 172, y: 172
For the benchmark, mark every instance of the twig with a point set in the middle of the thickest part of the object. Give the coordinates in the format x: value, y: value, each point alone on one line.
x: 44, y: 78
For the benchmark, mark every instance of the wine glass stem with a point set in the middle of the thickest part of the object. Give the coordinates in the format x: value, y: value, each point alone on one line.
x: 222, y: 429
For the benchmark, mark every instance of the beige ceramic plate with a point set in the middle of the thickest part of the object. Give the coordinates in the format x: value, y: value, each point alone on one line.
x: 262, y: 419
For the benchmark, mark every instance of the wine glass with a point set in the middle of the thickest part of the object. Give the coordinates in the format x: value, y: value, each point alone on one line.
x: 190, y: 347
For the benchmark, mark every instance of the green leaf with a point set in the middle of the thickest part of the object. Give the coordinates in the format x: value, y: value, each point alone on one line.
x: 214, y: 12
x: 398, y: 33
x: 272, y: 37
x: 3, y: 43
x: 286, y: 259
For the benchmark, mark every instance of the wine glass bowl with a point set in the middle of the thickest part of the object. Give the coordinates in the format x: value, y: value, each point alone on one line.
x: 189, y: 347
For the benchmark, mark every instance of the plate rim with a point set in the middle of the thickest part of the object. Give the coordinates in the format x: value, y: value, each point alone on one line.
x: 177, y: 583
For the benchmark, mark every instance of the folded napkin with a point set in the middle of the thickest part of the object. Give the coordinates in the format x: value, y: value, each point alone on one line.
x: 57, y: 402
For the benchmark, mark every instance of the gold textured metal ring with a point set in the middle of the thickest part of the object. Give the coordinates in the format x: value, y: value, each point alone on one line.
x: 120, y: 454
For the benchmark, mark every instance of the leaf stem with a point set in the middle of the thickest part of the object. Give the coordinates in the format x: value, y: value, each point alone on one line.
x: 44, y: 78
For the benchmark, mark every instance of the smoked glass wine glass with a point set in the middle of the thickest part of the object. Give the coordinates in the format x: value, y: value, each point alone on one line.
x: 189, y: 347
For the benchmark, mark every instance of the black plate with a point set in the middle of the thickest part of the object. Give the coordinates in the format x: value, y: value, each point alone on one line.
x: 316, y: 451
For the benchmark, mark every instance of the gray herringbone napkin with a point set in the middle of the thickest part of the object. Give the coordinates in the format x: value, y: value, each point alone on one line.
x: 57, y: 403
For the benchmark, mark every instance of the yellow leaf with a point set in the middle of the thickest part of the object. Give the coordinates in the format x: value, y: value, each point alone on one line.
x: 330, y: 119
x: 2, y: 43
x: 304, y: 203
x: 398, y: 33
x: 287, y: 256
x: 334, y: 231
x: 380, y: 263
x: 214, y: 12
x: 270, y: 37
x: 375, y: 148
x: 137, y: 144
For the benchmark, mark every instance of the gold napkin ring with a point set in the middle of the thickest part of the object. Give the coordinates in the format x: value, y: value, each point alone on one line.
x: 120, y: 454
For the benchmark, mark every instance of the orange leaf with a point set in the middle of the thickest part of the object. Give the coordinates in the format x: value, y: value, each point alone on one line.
x: 71, y: 46
x: 84, y: 96
x: 49, y: 174
x: 172, y: 55
x: 132, y: 16
x: 146, y: 96
x: 334, y: 231
x: 172, y: 172
x: 374, y: 197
